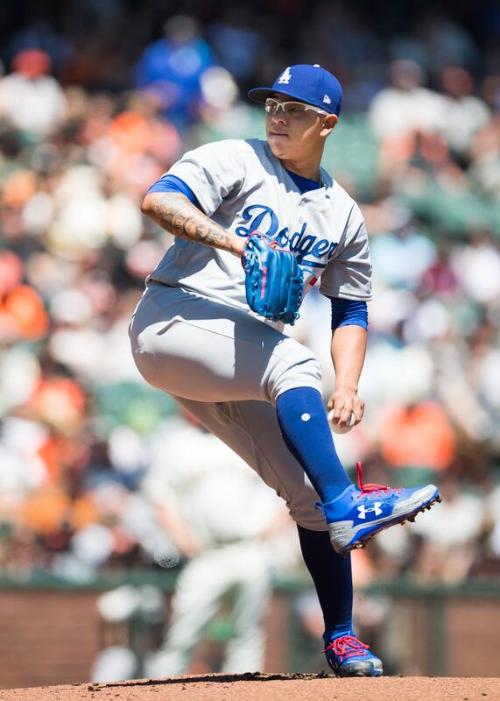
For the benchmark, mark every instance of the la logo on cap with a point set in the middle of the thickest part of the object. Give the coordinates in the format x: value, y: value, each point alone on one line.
x: 284, y: 78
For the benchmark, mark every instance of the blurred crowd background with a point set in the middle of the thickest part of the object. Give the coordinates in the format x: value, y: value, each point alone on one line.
x: 97, y: 99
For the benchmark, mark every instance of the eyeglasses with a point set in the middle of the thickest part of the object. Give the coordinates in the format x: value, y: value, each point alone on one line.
x: 290, y: 109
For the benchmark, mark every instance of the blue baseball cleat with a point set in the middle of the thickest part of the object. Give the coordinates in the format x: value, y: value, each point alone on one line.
x: 349, y: 657
x: 361, y: 512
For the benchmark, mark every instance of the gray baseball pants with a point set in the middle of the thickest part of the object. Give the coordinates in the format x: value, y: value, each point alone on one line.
x: 227, y: 368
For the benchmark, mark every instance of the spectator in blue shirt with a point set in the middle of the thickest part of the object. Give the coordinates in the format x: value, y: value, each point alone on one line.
x: 172, y: 67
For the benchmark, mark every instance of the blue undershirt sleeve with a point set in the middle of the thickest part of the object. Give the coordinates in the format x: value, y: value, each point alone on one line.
x: 171, y: 183
x: 349, y: 312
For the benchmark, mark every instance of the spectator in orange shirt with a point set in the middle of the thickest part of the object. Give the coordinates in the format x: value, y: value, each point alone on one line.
x: 418, y: 436
x: 22, y: 313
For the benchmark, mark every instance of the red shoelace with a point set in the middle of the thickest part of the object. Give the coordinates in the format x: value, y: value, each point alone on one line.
x: 367, y: 488
x: 347, y: 646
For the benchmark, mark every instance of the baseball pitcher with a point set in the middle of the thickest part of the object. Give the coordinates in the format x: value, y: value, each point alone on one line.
x: 256, y: 224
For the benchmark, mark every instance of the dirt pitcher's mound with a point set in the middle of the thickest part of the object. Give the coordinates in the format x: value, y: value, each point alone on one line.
x: 253, y: 687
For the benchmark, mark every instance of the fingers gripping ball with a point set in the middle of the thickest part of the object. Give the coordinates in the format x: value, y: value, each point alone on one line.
x: 345, y: 427
x: 273, y: 279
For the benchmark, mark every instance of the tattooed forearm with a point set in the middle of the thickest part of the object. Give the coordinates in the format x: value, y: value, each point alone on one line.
x: 176, y: 214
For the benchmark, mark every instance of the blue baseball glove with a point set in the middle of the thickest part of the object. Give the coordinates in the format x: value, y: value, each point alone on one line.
x: 273, y: 279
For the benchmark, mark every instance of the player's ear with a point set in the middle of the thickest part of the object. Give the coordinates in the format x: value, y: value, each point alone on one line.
x: 329, y: 124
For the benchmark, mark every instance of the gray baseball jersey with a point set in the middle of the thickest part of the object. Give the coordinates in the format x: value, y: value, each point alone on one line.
x: 243, y: 187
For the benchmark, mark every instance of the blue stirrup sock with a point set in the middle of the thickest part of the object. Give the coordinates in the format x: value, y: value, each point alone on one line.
x: 305, y: 430
x: 331, y: 574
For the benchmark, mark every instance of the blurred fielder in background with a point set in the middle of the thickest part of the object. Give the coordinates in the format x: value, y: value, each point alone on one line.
x: 220, y: 516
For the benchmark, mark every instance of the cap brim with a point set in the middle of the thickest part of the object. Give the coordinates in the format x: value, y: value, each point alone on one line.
x: 259, y: 95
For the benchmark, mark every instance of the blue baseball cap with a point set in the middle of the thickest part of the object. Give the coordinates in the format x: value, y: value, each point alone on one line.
x: 311, y: 84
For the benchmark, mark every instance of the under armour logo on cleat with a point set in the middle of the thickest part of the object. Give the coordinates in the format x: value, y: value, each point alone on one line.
x: 326, y: 100
x: 284, y: 78
x: 363, y: 510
